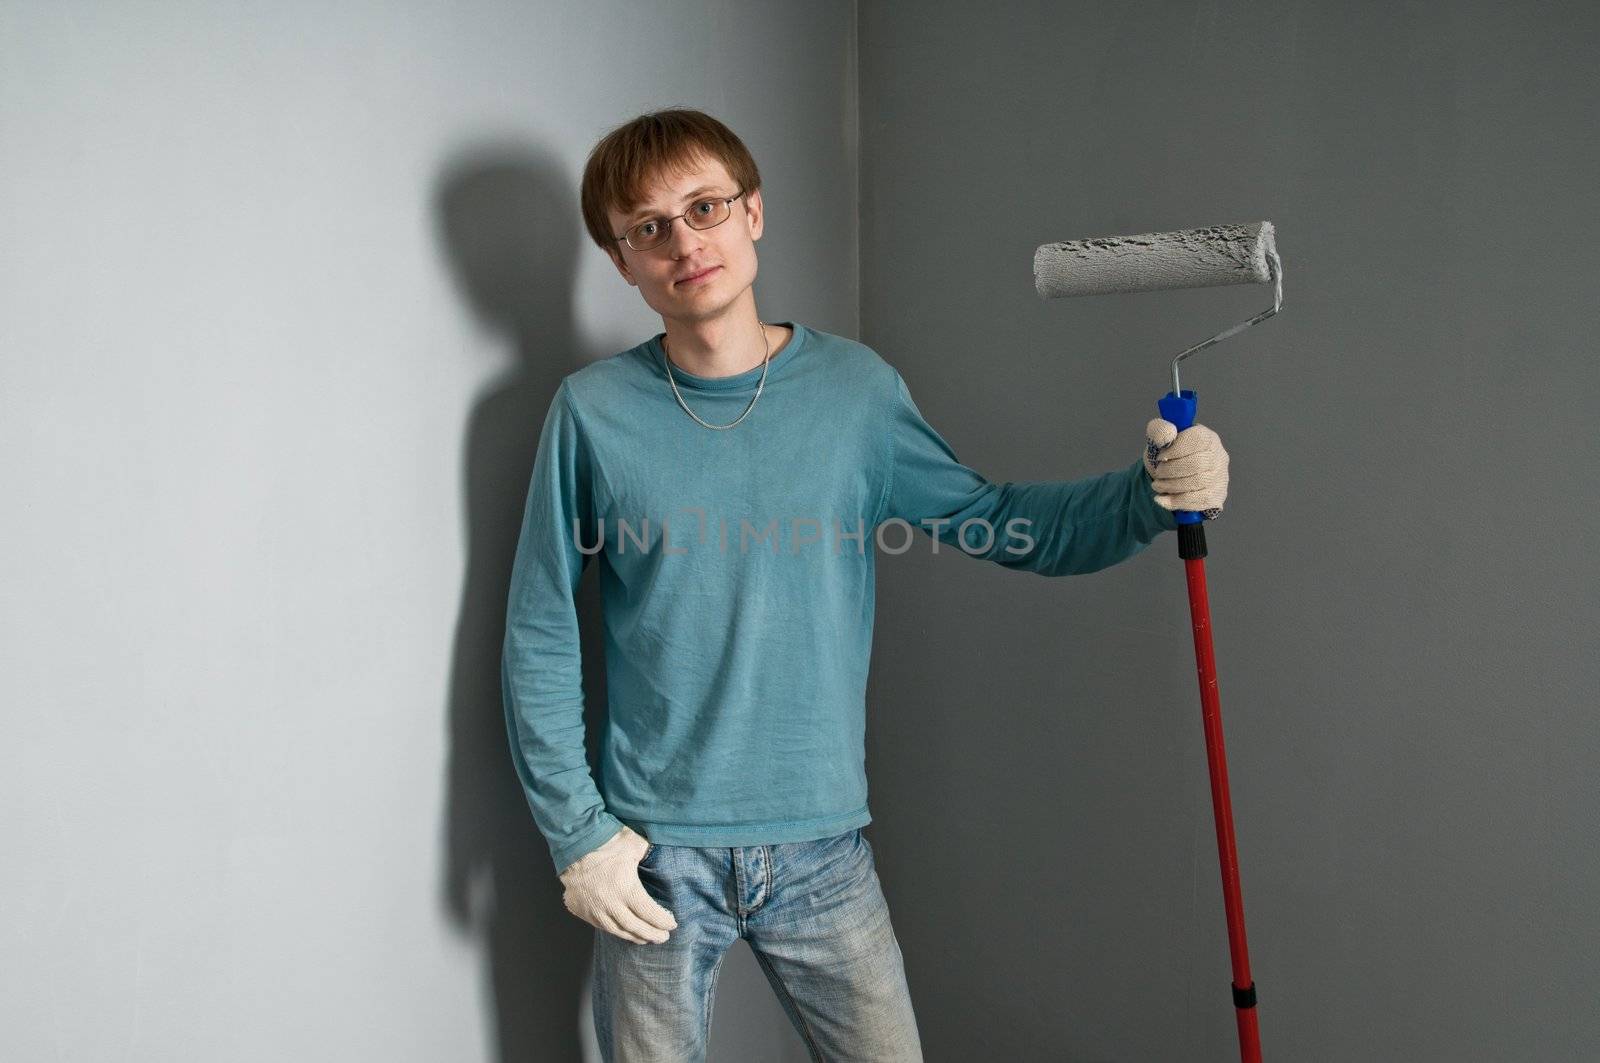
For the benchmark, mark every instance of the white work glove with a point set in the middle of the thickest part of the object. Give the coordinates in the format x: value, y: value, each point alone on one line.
x: 603, y: 889
x: 1188, y: 469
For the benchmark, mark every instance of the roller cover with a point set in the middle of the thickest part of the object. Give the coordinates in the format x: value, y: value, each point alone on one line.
x: 1187, y: 258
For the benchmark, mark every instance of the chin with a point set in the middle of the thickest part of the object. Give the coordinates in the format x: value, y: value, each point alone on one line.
x: 704, y: 305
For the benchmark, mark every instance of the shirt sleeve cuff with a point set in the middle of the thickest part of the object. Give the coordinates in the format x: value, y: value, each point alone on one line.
x: 1163, y: 517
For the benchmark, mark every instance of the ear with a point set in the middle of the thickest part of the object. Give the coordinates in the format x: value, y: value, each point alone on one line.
x: 622, y: 267
x: 757, y: 218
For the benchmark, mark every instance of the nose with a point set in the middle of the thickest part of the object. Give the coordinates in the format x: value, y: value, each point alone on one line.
x: 683, y: 240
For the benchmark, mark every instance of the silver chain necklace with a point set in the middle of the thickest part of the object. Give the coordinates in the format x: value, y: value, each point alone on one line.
x: 759, y: 385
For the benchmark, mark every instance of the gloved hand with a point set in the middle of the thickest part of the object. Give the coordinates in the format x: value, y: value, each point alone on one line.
x: 603, y: 889
x: 1188, y: 469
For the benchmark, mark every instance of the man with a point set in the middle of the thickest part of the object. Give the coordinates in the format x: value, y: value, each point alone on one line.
x: 733, y: 478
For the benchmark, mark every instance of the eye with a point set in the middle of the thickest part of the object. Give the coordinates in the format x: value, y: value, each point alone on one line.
x: 645, y: 228
x: 706, y: 206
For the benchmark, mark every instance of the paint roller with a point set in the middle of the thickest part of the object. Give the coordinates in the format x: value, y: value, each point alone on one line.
x: 1188, y: 258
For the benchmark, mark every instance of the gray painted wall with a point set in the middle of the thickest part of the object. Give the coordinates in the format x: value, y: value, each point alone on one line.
x: 1404, y: 582
x: 284, y: 294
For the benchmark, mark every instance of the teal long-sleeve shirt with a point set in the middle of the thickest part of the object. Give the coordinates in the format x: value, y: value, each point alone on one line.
x: 737, y: 576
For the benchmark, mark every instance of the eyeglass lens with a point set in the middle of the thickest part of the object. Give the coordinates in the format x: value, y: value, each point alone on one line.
x: 702, y: 215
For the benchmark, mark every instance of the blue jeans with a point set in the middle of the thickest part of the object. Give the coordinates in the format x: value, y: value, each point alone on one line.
x: 815, y: 917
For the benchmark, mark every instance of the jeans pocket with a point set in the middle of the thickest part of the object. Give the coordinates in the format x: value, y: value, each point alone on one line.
x: 649, y: 852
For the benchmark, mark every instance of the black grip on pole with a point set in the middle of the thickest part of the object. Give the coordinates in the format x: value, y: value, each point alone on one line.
x: 1243, y: 998
x: 1191, y: 541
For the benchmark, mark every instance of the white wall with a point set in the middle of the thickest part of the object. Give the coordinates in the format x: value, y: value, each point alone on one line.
x: 284, y: 291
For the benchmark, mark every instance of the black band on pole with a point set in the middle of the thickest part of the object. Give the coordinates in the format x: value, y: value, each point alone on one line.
x: 1243, y: 998
x: 1191, y: 541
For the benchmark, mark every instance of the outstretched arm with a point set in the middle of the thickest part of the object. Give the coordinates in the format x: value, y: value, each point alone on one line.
x: 1051, y: 527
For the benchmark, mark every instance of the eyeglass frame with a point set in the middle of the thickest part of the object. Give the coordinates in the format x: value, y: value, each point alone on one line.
x: 684, y: 217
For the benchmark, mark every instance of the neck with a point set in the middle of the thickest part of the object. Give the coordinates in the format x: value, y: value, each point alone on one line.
x: 726, y: 346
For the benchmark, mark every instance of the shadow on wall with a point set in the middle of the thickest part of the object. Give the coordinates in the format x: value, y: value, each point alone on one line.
x: 507, y: 221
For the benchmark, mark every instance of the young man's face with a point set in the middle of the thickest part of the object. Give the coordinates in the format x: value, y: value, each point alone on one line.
x: 728, y: 250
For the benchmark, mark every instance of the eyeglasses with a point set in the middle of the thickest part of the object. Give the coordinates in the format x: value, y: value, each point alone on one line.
x: 702, y: 214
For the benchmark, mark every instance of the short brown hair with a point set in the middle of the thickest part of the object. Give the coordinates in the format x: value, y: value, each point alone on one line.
x: 645, y: 148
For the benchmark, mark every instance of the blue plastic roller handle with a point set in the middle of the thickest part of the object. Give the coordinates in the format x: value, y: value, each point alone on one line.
x: 1179, y: 409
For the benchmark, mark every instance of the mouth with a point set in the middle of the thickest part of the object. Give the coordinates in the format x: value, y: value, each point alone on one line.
x: 698, y: 278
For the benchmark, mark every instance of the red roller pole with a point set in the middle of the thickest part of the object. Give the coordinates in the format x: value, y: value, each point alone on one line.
x: 1244, y: 989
